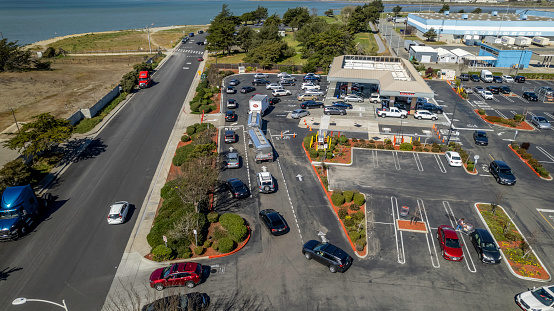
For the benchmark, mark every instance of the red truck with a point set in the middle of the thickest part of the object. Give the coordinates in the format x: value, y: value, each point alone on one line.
x: 145, y: 79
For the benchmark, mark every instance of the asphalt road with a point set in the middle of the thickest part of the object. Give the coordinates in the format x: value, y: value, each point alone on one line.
x: 73, y: 254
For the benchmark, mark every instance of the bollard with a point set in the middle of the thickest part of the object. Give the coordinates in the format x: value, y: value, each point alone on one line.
x: 310, y: 128
x: 294, y: 135
x: 443, y: 139
x: 281, y: 134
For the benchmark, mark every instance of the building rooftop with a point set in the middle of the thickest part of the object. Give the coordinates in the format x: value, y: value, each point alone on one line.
x: 424, y: 48
x: 481, y: 17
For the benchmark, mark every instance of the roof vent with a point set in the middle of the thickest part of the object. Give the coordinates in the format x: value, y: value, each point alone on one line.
x: 465, y: 16
x: 523, y: 17
x: 494, y: 13
x: 446, y: 13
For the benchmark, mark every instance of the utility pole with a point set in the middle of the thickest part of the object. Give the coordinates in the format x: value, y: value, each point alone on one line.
x: 13, y: 113
x: 149, y: 45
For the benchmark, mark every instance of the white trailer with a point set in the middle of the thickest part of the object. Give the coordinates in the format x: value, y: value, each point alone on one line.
x: 258, y: 103
x: 492, y: 40
x: 541, y: 41
x: 508, y: 40
x: 522, y: 41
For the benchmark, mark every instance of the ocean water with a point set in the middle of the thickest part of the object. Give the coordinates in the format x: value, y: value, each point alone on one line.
x: 30, y: 21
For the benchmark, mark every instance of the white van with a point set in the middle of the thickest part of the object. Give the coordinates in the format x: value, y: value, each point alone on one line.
x: 486, y: 76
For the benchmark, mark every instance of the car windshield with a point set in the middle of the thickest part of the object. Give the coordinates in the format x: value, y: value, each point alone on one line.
x: 233, y: 158
x: 542, y: 120
x: 165, y: 272
x: 543, y: 296
x: 8, y: 214
x: 506, y: 171
x: 240, y: 188
x: 456, y: 158
x: 452, y: 243
x: 113, y: 216
x: 319, y: 246
x: 481, y: 135
x: 489, y: 246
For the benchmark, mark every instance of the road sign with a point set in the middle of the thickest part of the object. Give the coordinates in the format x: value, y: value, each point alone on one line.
x: 476, y: 157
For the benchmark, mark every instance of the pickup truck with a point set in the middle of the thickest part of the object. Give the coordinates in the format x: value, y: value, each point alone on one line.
x: 392, y: 112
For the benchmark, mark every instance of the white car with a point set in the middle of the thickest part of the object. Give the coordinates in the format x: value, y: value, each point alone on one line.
x: 425, y: 114
x: 487, y: 95
x: 274, y: 86
x: 453, y: 158
x: 313, y: 92
x: 310, y: 85
x: 118, y: 212
x: 281, y: 92
x: 260, y: 75
x: 541, y: 298
x: 283, y: 74
x: 313, y: 75
x: 508, y: 79
x: 353, y: 98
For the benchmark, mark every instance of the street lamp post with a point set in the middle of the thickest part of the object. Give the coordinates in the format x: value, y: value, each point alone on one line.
x: 13, y: 113
x: 20, y: 301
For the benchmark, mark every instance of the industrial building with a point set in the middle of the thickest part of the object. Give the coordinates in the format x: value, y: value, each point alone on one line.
x: 423, y: 54
x: 506, y: 56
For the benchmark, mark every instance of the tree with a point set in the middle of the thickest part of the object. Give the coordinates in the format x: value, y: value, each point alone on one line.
x: 477, y: 11
x: 260, y: 13
x: 13, y: 57
x: 273, y: 20
x: 431, y: 34
x: 445, y: 7
x: 329, y: 13
x: 40, y: 135
x: 296, y: 17
x: 397, y: 10
x: 221, y: 31
x: 245, y: 38
x: 461, y: 11
x: 247, y: 17
x: 198, y: 176
x: 14, y: 173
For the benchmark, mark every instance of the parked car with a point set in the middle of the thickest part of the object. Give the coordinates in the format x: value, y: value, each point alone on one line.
x: 430, y: 107
x: 232, y: 103
x: 283, y: 74
x: 310, y: 85
x: 230, y: 116
x: 247, y: 89
x: 311, y: 78
x: 281, y: 92
x: 311, y: 104
x: 342, y: 104
x: 274, y: 100
x: 265, y: 182
x: 485, y: 246
x: 237, y: 188
x: 497, y: 79
x: 232, y: 160
x: 453, y: 158
x: 468, y: 90
x: 424, y: 114
x: 230, y: 136
x: 353, y: 98
x: 313, y: 92
x: 487, y: 95
x: 493, y: 89
x: 234, y: 82
x: 200, y: 59
x: 260, y: 82
x: 273, y: 86
x: 507, y: 79
x: 475, y: 78
x: 502, y: 173
x: 464, y: 77
x: 541, y: 298
x: 188, y: 274
x: 480, y: 138
x: 505, y: 89
x: 334, y: 110
x: 299, y: 113
x: 194, y: 301
x: 540, y: 122
x: 530, y: 96
x: 450, y: 243
x: 545, y: 91
x: 231, y: 90
x: 260, y: 75
x: 328, y: 255
x: 286, y: 82
x: 478, y: 89
x: 274, y: 222
x: 306, y: 97
x: 519, y: 79
x: 118, y: 212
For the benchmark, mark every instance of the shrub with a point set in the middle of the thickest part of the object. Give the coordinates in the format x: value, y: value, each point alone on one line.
x: 185, y: 138
x: 389, y: 147
x: 191, y: 130
x: 198, y: 250
x: 207, y: 244
x: 435, y: 149
x: 354, y: 207
x: 371, y: 146
x: 509, y: 122
x: 542, y: 171
x: 534, y: 163
x: 420, y: 149
x: 521, y: 151
x: 168, y: 190
x: 359, y: 198
x: 337, y: 199
x: 514, y: 145
x: 525, y: 146
x: 307, y: 141
x: 481, y: 112
x: 182, y: 154
x: 388, y: 141
x: 518, y: 117
x: 354, y: 236
x: 355, y: 139
x: 527, y: 156
x: 371, y: 141
x: 470, y: 167
x: 162, y: 253
x: 234, y: 224
x: 226, y: 245
x: 360, y: 244
x: 416, y: 143
x: 493, y: 118
x: 342, y: 140
x: 343, y: 212
x: 184, y: 252
x: 215, y: 246
x: 380, y: 147
x: 349, y: 222
x: 406, y: 147
x: 213, y: 217
x: 348, y: 195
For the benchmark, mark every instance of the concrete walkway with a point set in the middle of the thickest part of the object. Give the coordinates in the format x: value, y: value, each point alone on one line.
x: 380, y: 44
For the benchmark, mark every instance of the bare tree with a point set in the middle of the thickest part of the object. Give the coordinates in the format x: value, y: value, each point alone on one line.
x: 184, y: 226
x: 198, y: 176
x: 497, y: 201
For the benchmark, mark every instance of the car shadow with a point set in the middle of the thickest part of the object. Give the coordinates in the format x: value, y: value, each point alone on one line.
x: 4, y: 274
x: 130, y: 213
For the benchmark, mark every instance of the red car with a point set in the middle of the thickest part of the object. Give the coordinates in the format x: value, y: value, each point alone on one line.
x: 450, y: 244
x: 179, y: 274
x: 200, y: 59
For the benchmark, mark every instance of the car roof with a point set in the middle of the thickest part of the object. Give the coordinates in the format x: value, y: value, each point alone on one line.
x: 229, y: 133
x: 449, y: 232
x: 186, y: 267
x: 116, y: 207
x: 485, y: 235
x: 233, y: 155
x: 453, y: 153
x: 332, y: 249
x: 539, y: 118
x: 265, y: 175
x: 501, y: 164
x: 480, y: 132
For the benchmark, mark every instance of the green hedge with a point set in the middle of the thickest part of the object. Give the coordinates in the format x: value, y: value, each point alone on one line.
x: 348, y: 195
x: 182, y: 154
x: 234, y: 224
x: 225, y: 245
x: 406, y: 147
x: 213, y: 217
x: 168, y: 190
x: 337, y: 198
x: 162, y: 253
x: 359, y: 198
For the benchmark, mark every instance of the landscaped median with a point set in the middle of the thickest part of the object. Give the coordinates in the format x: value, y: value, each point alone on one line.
x: 518, y: 122
x: 528, y: 159
x: 518, y: 255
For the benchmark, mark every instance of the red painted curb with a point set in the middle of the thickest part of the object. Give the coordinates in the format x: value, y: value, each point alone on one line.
x: 525, y: 161
x: 235, y: 250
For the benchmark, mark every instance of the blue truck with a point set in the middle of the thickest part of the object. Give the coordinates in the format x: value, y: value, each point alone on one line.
x: 19, y: 210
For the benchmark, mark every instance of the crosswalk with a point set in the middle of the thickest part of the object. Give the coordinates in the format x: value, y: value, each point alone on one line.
x: 190, y: 51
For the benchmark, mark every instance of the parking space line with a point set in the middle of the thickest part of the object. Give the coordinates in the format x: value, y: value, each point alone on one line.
x: 523, y: 99
x: 507, y: 98
x: 447, y: 207
x: 244, y: 135
x: 500, y: 114
x: 418, y: 162
x: 374, y: 158
x: 548, y: 114
x: 546, y: 153
x: 401, y: 256
x: 396, y: 161
x: 429, y: 235
x: 546, y: 211
x: 441, y: 166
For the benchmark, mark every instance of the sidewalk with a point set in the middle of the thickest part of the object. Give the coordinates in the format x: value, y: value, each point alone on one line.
x: 380, y: 44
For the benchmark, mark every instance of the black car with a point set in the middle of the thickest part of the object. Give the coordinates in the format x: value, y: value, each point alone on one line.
x: 493, y: 89
x: 183, y: 302
x: 200, y: 43
x: 230, y: 137
x: 274, y: 222
x: 485, y: 246
x: 530, y: 96
x: 230, y: 116
x: 505, y: 89
x: 475, y: 78
x: 480, y: 138
x: 200, y: 31
x: 237, y: 188
x: 519, y: 79
x: 502, y: 173
x: 247, y: 89
x: 287, y: 82
x: 234, y: 82
x: 311, y: 104
x: 342, y: 104
x: 274, y: 100
x: 464, y: 77
x: 328, y: 255
x: 497, y: 79
x: 334, y: 110
x: 430, y: 107
x: 260, y: 82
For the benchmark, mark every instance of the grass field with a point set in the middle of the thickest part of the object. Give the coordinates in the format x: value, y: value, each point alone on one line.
x: 367, y: 40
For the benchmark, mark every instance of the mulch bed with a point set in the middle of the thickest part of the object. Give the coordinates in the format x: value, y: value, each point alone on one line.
x: 406, y: 225
x: 521, y: 126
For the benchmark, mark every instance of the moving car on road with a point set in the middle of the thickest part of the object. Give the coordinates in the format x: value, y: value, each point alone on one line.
x: 188, y: 274
x: 265, y: 182
x: 328, y: 255
x: 230, y: 137
x: 232, y: 160
x: 342, y: 104
x: 274, y: 222
x: 234, y: 82
x: 299, y: 113
x: 237, y: 188
x: 247, y: 89
x: 453, y: 158
x: 118, y: 212
x: 311, y: 104
x: 502, y: 173
x: 450, y: 243
x: 541, y: 122
x: 232, y: 104
x: 480, y: 138
x: 334, y: 110
x: 230, y: 116
x: 231, y: 90
x: 485, y: 246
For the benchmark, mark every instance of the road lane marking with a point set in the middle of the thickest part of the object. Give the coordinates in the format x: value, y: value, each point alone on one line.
x: 547, y: 211
x: 429, y: 235
x: 401, y: 256
x: 418, y: 162
x: 439, y: 162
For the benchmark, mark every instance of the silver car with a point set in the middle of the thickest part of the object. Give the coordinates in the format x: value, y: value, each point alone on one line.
x: 233, y: 160
x: 353, y: 98
x: 541, y: 122
x: 299, y: 113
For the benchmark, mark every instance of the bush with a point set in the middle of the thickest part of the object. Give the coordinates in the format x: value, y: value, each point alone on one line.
x: 521, y: 151
x: 185, y: 138
x: 542, y: 171
x: 527, y: 156
x: 348, y: 195
x: 359, y: 198
x: 518, y: 117
x: 349, y: 222
x: 234, y: 224
x: 389, y: 147
x: 307, y: 141
x: 416, y: 143
x: 354, y: 236
x: 436, y: 150
x: 388, y: 141
x: 337, y: 199
x: 515, y: 146
x: 371, y: 141
x: 343, y: 212
x: 481, y: 112
x: 168, y: 190
x: 470, y: 167
x: 182, y: 154
x: 198, y: 250
x: 534, y: 163
x: 525, y: 146
x: 420, y: 149
x: 360, y: 244
x: 207, y: 244
x: 213, y: 217
x: 355, y: 139
x: 493, y: 118
x: 380, y: 147
x: 371, y: 146
x: 406, y: 147
x: 215, y: 246
x: 509, y: 122
x: 226, y: 245
x: 354, y: 207
x: 342, y: 139
x: 162, y: 253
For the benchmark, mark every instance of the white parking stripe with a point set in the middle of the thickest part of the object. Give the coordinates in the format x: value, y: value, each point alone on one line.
x: 548, y: 155
x: 429, y: 235
x: 374, y: 158
x: 399, y: 244
x: 441, y: 166
x: 500, y: 113
x: 396, y: 161
x: 418, y: 162
x: 466, y: 253
x: 548, y: 114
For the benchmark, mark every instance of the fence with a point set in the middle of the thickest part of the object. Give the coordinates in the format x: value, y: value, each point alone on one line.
x: 277, y: 67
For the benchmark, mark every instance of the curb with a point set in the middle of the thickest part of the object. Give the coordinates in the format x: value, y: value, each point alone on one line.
x: 503, y: 125
x: 522, y: 159
x: 503, y: 255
